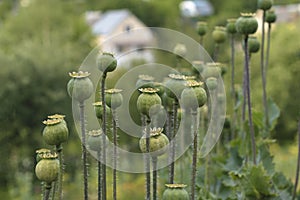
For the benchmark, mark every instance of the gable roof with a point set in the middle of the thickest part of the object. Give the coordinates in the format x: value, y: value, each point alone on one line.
x: 109, y: 21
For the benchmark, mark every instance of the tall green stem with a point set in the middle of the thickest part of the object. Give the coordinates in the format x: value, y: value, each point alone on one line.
x: 84, y: 152
x: 103, y: 136
x: 252, y: 133
x: 115, y: 153
x: 232, y: 86
x: 173, y: 143
x: 298, y: 164
x: 145, y: 125
x: 216, y: 52
x: 195, y: 148
x: 59, y: 150
x: 263, y: 71
x: 154, y: 165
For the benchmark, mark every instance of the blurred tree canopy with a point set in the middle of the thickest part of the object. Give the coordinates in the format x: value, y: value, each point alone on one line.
x: 40, y: 44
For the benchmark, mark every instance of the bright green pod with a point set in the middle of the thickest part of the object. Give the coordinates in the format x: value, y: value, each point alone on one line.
x: 219, y: 34
x: 175, y: 85
x: 99, y: 109
x: 47, y: 168
x: 270, y: 17
x: 230, y: 26
x: 55, y: 132
x: 158, y: 142
x: 148, y: 102
x: 193, y: 96
x: 264, y: 4
x: 175, y: 192
x: 253, y: 44
x: 246, y: 24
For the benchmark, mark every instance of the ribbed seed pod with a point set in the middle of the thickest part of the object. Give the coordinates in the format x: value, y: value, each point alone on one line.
x: 94, y: 140
x: 264, y: 4
x: 80, y: 87
x: 106, y: 62
x: 113, y: 98
x: 47, y: 168
x: 55, y: 131
x: 253, y: 44
x: 212, y: 70
x: 158, y: 142
x: 270, y: 16
x: 230, y: 26
x: 246, y: 24
x: 211, y: 83
x: 175, y: 192
x: 148, y: 103
x: 175, y: 85
x: 98, y: 107
x: 193, y: 96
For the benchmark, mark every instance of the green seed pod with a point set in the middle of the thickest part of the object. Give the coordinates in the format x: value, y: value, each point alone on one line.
x: 94, y: 140
x: 40, y: 153
x: 180, y: 50
x: 230, y: 26
x: 219, y: 34
x: 160, y: 87
x: 106, y: 62
x: 55, y: 132
x: 113, y: 98
x: 246, y: 24
x: 270, y: 17
x: 145, y: 81
x: 175, y: 192
x: 193, y: 96
x: 212, y: 70
x: 198, y: 66
x: 211, y: 83
x: 148, y: 103
x: 264, y: 4
x: 201, y: 28
x: 99, y: 109
x: 175, y: 85
x: 158, y: 142
x: 80, y: 87
x: 253, y: 44
x: 48, y: 168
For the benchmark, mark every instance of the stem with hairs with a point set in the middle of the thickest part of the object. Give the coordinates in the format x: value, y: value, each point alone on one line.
x: 195, y: 148
x: 232, y: 86
x: 59, y: 150
x: 84, y: 152
x: 247, y: 81
x: 103, y: 136
x: 173, y: 144
x: 154, y: 165
x: 99, y: 168
x: 115, y: 153
x: 298, y: 165
x: 47, y: 191
x: 263, y: 71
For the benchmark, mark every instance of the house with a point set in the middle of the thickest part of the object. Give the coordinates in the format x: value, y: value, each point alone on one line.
x: 120, y: 32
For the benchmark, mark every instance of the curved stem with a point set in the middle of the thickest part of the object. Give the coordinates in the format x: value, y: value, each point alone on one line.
x: 84, y: 152
x: 154, y: 165
x: 195, y: 147
x: 252, y: 133
x: 173, y: 143
x: 263, y: 71
x: 298, y: 164
x: 99, y: 168
x: 103, y: 136
x: 115, y: 153
x: 59, y: 150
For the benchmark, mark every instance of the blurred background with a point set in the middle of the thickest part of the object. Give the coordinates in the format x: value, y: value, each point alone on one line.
x: 42, y: 40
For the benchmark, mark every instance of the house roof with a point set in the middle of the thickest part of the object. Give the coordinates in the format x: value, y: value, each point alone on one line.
x: 109, y: 21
